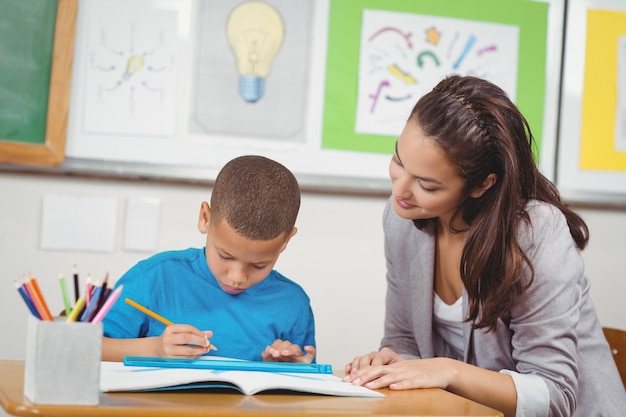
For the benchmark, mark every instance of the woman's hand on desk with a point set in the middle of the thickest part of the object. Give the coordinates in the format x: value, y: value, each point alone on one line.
x: 408, y: 374
x: 183, y: 341
x: 384, y: 356
x: 388, y: 369
x: 285, y: 351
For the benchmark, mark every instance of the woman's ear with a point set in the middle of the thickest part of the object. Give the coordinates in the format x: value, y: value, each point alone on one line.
x: 204, y: 219
x: 487, y: 184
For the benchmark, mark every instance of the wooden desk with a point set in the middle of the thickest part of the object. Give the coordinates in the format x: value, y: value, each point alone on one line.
x: 424, y: 402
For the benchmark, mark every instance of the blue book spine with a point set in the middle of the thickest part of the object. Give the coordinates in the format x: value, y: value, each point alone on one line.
x: 228, y: 365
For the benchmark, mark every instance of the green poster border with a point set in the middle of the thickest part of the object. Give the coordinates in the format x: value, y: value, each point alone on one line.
x: 344, y: 31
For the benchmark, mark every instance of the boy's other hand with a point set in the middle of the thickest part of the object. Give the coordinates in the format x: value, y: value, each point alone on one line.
x: 285, y: 351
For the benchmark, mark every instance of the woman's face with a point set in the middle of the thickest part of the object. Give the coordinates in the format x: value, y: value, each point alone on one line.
x: 424, y: 184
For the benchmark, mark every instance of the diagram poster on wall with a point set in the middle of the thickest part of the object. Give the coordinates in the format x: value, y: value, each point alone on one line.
x: 132, y: 69
x: 397, y: 66
x: 384, y: 55
x: 592, y: 144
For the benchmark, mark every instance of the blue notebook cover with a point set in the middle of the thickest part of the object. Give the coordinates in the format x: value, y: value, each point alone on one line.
x: 228, y: 365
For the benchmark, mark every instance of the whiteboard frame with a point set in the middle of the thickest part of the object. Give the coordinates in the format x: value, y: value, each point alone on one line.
x: 334, y: 172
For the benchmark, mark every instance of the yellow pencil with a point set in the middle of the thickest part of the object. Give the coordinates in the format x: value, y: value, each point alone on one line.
x: 156, y: 316
x: 78, y: 308
x: 148, y: 312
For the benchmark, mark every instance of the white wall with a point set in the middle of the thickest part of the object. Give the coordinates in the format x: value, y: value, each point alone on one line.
x: 336, y: 256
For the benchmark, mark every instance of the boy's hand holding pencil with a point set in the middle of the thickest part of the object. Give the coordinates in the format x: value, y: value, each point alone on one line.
x: 183, y: 341
x: 179, y: 340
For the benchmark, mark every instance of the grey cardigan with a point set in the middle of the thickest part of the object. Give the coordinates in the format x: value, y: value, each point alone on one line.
x: 552, y: 331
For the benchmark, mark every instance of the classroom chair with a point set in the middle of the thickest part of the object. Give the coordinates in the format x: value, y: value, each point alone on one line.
x: 617, y: 342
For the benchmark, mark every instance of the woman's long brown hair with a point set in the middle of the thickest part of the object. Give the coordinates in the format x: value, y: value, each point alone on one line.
x: 481, y: 131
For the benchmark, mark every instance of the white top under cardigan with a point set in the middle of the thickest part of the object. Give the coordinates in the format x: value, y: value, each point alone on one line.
x: 533, y: 397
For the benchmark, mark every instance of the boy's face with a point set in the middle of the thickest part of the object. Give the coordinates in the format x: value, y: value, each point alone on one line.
x: 237, y: 262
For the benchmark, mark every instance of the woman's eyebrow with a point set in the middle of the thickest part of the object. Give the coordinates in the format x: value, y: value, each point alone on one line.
x: 425, y: 179
x: 428, y: 179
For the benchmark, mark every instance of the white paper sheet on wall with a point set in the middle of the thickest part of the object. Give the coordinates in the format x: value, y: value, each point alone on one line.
x: 142, y: 224
x: 79, y: 223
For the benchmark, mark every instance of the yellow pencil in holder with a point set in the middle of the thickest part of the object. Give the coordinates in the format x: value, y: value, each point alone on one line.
x: 76, y: 311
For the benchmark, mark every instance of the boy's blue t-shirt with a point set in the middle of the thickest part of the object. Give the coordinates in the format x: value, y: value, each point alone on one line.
x: 179, y: 286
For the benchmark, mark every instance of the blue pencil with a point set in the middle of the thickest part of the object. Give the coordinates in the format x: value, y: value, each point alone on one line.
x: 90, y: 310
x: 27, y: 300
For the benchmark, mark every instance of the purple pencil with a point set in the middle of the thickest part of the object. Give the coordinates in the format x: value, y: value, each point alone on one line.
x: 27, y: 300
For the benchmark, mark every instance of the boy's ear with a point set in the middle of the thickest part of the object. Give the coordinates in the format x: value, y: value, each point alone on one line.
x: 293, y: 232
x: 487, y: 184
x: 204, y: 219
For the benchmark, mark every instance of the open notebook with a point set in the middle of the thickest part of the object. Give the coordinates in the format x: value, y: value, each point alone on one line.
x: 117, y: 377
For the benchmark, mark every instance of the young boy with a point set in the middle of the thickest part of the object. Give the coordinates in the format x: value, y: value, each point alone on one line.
x: 227, y: 291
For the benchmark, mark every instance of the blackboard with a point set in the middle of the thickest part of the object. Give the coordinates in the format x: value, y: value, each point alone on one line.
x: 36, y: 46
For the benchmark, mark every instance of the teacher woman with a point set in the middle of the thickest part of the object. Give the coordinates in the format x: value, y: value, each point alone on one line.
x: 486, y: 291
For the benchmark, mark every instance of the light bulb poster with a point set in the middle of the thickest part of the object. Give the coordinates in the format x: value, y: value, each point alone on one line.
x: 131, y: 69
x: 251, y: 70
x: 391, y: 53
x: 255, y: 33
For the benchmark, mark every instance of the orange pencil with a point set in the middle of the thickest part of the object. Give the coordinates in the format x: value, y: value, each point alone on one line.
x: 43, y: 300
x: 149, y: 312
x: 40, y: 303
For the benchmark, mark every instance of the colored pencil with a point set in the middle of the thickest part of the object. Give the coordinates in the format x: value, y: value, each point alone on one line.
x: 106, y: 306
x: 66, y: 299
x: 148, y: 312
x: 35, y: 295
x: 88, y: 289
x: 76, y: 286
x: 47, y: 313
x: 104, y: 293
x: 156, y: 316
x: 78, y: 308
x: 27, y: 299
x: 91, y: 308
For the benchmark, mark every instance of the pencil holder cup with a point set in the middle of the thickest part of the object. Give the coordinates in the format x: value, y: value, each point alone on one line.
x: 62, y: 364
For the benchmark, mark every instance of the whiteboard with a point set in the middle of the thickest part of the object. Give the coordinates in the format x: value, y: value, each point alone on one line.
x: 154, y: 92
x: 591, y: 165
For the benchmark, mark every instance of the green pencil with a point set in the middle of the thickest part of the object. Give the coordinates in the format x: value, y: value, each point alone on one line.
x: 66, y: 300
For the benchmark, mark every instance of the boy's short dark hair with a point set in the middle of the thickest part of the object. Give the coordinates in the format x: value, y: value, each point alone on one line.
x: 258, y: 197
